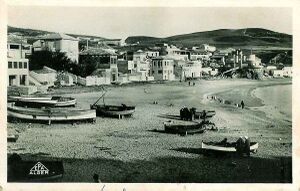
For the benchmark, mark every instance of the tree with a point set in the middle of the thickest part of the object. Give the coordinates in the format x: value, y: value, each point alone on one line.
x: 56, y: 60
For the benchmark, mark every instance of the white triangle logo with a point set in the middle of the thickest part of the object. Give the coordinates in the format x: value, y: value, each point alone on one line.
x: 39, y: 169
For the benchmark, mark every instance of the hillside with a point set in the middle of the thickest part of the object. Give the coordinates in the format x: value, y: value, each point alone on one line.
x: 241, y: 38
x: 33, y: 34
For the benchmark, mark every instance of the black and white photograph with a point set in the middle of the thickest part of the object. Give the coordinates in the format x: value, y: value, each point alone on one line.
x: 149, y: 94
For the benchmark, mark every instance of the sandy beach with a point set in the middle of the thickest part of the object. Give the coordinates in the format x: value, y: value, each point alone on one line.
x: 129, y: 150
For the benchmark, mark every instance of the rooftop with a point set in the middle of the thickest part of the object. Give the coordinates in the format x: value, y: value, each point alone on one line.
x: 96, y: 51
x: 58, y: 36
x: 16, y: 40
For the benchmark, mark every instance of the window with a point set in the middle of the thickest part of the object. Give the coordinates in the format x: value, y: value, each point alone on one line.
x: 15, y: 64
x: 160, y: 71
x: 25, y: 64
x: 20, y: 65
x: 9, y: 64
x: 26, y: 47
x: 13, y: 46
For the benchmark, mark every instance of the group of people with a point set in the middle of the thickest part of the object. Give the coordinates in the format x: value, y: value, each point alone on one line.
x: 242, y: 145
x: 242, y: 104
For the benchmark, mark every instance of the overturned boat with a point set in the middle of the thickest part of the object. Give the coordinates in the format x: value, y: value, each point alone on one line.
x: 183, y: 127
x: 226, y: 147
x: 38, y: 102
x: 50, y: 114
x: 118, y: 111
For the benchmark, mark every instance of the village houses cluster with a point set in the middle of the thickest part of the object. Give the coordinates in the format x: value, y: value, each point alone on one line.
x: 163, y: 62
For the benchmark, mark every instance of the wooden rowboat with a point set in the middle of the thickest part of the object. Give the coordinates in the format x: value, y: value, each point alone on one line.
x: 228, y: 147
x: 38, y: 102
x: 113, y: 110
x: 19, y: 170
x: 50, y: 114
x: 183, y: 127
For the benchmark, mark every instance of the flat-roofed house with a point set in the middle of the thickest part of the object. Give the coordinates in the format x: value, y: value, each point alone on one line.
x: 59, y: 42
x: 162, y: 68
x: 191, y: 69
x: 18, y: 65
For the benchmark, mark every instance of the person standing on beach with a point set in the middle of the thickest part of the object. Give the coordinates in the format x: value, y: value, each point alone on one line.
x: 242, y: 104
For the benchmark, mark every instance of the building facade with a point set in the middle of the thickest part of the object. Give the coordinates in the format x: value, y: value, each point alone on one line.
x: 18, y: 65
x: 162, y: 68
x: 59, y: 42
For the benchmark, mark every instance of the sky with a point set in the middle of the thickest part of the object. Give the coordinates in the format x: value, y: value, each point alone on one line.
x: 121, y: 22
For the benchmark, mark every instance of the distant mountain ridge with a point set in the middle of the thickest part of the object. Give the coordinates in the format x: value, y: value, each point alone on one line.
x: 223, y: 38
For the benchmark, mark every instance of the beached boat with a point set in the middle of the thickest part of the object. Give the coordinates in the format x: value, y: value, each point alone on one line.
x: 183, y: 127
x: 12, y: 138
x: 38, y: 102
x: 228, y: 147
x: 119, y: 111
x: 19, y: 170
x: 50, y: 114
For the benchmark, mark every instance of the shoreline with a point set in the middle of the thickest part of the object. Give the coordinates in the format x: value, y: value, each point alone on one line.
x: 255, y: 101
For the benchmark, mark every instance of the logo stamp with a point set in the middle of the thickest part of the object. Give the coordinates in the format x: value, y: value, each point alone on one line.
x: 39, y: 169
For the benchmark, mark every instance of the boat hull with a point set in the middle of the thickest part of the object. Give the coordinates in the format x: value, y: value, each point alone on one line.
x: 38, y: 102
x: 227, y: 149
x: 50, y: 114
x: 191, y: 128
x: 113, y: 111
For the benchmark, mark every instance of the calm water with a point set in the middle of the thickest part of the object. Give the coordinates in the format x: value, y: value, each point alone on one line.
x: 278, y: 96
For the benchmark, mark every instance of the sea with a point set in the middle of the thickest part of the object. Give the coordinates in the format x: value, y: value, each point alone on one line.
x: 279, y: 96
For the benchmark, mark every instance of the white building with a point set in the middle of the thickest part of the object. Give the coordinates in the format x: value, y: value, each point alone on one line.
x: 18, y: 66
x: 254, y: 60
x: 163, y: 68
x: 152, y: 54
x: 191, y: 70
x: 199, y: 55
x: 278, y: 73
x: 171, y: 49
x: 288, y: 72
x: 59, y: 42
x: 210, y: 71
x: 205, y: 47
x: 46, y: 76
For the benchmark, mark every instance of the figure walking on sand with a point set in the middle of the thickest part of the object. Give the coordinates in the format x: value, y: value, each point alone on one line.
x: 242, y: 104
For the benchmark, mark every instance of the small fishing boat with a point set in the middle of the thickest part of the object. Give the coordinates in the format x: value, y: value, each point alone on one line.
x: 114, y: 110
x: 119, y: 111
x: 38, y: 102
x: 50, y: 114
x: 12, y: 138
x: 19, y: 170
x: 228, y: 147
x: 183, y: 127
